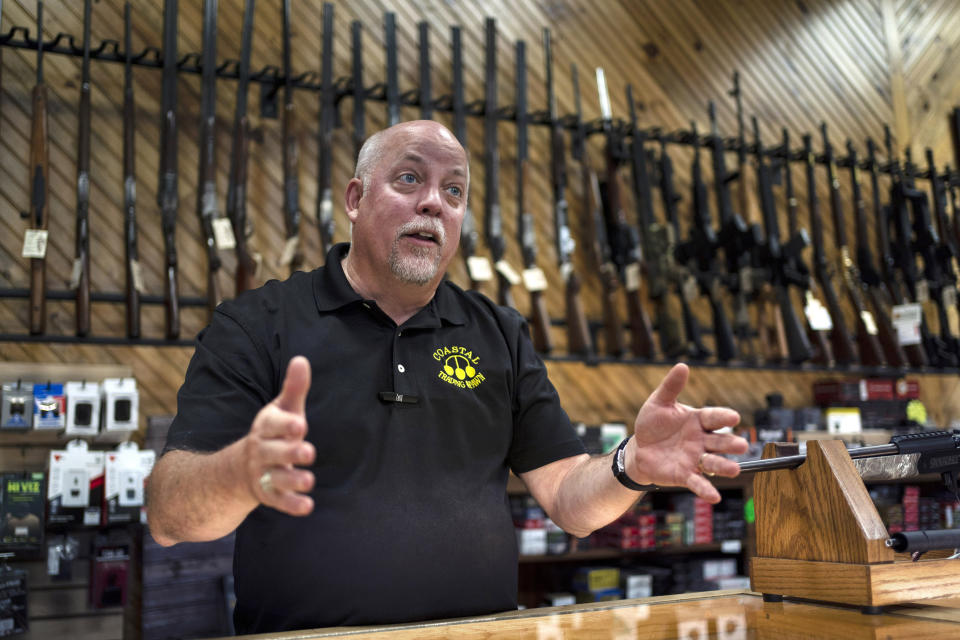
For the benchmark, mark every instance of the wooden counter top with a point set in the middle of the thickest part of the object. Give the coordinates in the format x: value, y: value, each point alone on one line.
x: 726, y: 615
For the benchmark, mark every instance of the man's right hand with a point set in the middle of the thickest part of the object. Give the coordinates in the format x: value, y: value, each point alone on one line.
x: 276, y: 445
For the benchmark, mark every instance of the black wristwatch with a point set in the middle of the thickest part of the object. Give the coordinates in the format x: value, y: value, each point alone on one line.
x: 620, y: 471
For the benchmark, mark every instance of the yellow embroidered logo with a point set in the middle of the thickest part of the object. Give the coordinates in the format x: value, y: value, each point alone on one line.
x: 459, y: 367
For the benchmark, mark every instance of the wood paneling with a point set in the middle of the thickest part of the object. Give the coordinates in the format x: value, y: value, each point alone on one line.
x: 855, y: 65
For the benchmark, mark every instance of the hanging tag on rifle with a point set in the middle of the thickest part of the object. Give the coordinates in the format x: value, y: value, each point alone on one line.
x: 534, y: 279
x: 566, y: 270
x: 35, y: 244
x: 689, y: 288
x: 907, y: 318
x: 289, y: 250
x: 478, y: 268
x: 631, y: 276
x: 503, y: 268
x: 75, y: 273
x: 817, y: 314
x: 137, y: 272
x: 869, y: 322
x: 223, y: 234
x: 923, y: 292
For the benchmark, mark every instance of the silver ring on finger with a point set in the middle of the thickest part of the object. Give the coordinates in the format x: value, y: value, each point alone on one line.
x: 700, y: 466
x: 266, y: 481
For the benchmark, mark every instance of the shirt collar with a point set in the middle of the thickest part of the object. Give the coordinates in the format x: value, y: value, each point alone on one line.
x: 332, y: 291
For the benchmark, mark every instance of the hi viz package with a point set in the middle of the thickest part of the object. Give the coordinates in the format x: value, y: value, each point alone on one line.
x: 126, y: 473
x: 75, y: 486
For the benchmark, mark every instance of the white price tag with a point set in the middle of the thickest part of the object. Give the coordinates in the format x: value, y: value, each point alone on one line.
x: 566, y: 270
x: 730, y: 546
x: 137, y: 272
x: 289, y: 249
x: 689, y: 289
x: 869, y: 322
x: 35, y: 244
x: 478, y: 268
x: 534, y: 279
x: 631, y: 276
x: 907, y: 318
x: 223, y: 234
x: 503, y: 268
x: 91, y: 517
x: 817, y: 314
x: 923, y: 292
x: 257, y: 260
x: 75, y: 273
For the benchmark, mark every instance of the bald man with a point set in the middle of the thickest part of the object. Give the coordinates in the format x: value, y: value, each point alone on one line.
x: 356, y: 425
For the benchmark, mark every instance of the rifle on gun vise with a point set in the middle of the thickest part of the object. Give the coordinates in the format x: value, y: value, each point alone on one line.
x: 737, y: 241
x: 478, y: 267
x: 359, y: 91
x: 782, y: 260
x: 328, y: 106
x: 818, y: 323
x: 658, y: 242
x: 39, y: 187
x: 596, y: 229
x: 168, y: 197
x: 699, y: 253
x: 81, y: 265
x: 844, y: 351
x: 926, y: 242
x: 246, y: 273
x: 889, y: 276
x: 133, y: 275
x: 624, y: 243
x: 493, y: 225
x: 291, y: 156
x: 533, y: 276
x: 579, y: 340
x: 868, y: 346
x: 869, y: 278
x: 207, y: 179
x: 392, y: 85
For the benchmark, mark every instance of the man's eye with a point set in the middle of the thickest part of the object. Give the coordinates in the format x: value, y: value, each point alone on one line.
x: 408, y: 178
x: 455, y: 191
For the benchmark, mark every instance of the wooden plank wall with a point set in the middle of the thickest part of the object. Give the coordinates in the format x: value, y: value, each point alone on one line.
x: 855, y: 65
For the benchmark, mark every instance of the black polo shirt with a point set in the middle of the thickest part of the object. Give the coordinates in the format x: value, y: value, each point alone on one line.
x: 411, y: 519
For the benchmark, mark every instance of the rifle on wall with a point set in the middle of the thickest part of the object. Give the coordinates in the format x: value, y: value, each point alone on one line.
x: 478, y: 267
x: 493, y: 230
x: 81, y: 266
x: 699, y: 252
x: 207, y: 179
x: 39, y: 185
x: 595, y: 225
x: 168, y: 197
x: 533, y: 277
x: 426, y: 91
x: 237, y: 187
x: 868, y: 346
x: 622, y: 237
x: 579, y: 340
x: 844, y: 350
x: 133, y: 275
x: 887, y: 282
x: 869, y: 278
x: 781, y: 258
x: 292, y: 254
x: 737, y: 241
x: 657, y: 242
x: 816, y: 316
x: 359, y: 91
x: 946, y: 248
x: 328, y: 106
x: 392, y: 89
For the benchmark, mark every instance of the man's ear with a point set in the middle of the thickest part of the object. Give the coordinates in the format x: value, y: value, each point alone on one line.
x: 351, y: 197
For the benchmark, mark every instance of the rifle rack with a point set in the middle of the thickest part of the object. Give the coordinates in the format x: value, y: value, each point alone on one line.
x: 819, y: 537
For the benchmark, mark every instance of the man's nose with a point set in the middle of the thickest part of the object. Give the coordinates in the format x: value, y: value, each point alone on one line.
x: 430, y: 201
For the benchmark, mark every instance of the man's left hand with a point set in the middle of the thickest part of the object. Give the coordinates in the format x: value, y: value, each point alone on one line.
x: 676, y: 445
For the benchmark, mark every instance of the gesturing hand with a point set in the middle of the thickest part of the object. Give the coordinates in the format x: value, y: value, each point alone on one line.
x: 276, y: 443
x: 673, y: 443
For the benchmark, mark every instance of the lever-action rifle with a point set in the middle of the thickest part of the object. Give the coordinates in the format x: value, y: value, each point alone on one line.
x: 579, y: 340
x: 81, y: 266
x: 237, y: 186
x: 167, y: 196
x: 624, y: 243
